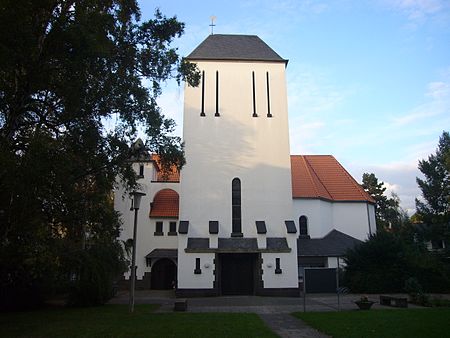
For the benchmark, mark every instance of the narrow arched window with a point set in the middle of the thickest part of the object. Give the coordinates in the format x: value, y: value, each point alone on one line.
x: 236, y: 207
x: 303, y: 225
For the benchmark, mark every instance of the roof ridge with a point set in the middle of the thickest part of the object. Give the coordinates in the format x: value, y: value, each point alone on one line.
x: 309, y: 174
x: 364, y: 195
x: 323, y: 185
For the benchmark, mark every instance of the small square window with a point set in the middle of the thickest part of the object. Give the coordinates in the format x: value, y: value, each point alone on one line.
x: 172, y: 229
x: 159, y: 229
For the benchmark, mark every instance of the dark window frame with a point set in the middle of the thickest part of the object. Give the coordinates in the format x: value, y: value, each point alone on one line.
x: 141, y: 171
x: 277, y: 266
x: 236, y: 207
x: 269, y: 114
x: 254, y: 95
x: 217, y: 94
x: 197, y: 269
x: 172, y: 228
x: 303, y: 225
x: 159, y: 228
x: 202, y: 112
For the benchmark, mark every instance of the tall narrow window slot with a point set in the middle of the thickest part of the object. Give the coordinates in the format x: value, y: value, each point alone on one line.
x: 197, y: 269
x: 217, y: 94
x: 303, y: 225
x: 268, y: 95
x: 254, y: 95
x: 202, y: 113
x: 236, y: 208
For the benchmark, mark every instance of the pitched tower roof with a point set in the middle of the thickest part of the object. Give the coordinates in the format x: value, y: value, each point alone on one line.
x: 234, y: 47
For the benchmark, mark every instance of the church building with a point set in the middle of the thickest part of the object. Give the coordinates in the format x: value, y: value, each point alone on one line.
x: 243, y: 216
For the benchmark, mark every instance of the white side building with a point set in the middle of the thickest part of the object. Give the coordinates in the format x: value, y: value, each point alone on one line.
x: 228, y: 224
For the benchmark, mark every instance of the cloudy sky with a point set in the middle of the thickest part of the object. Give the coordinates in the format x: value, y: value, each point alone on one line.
x: 368, y: 80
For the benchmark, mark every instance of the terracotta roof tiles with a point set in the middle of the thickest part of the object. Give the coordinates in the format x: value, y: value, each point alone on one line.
x: 165, y: 204
x: 173, y: 175
x: 322, y: 176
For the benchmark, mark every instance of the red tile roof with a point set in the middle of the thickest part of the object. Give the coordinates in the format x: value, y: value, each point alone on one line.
x: 173, y: 175
x: 322, y: 176
x: 166, y: 203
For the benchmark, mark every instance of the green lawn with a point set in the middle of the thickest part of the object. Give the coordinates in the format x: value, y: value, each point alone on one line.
x: 433, y: 322
x: 115, y: 321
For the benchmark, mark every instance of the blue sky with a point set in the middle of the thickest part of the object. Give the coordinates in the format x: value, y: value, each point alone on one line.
x: 368, y: 81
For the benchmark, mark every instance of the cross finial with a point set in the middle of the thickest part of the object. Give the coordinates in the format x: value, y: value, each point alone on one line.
x: 213, y: 18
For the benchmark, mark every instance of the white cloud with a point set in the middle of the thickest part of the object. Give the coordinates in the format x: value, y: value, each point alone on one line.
x: 310, y: 90
x: 438, y: 94
x: 403, y: 173
x: 419, y: 11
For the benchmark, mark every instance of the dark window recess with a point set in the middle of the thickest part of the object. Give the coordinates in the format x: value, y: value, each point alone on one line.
x: 197, y: 270
x: 158, y: 228
x: 213, y: 227
x: 254, y: 95
x: 172, y: 229
x: 236, y: 207
x: 141, y: 170
x: 277, y: 266
x: 217, y: 94
x: 261, y: 227
x: 303, y: 225
x: 268, y: 95
x: 202, y: 113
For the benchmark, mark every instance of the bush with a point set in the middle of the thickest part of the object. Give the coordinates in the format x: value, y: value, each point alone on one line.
x: 95, y: 269
x: 385, y: 261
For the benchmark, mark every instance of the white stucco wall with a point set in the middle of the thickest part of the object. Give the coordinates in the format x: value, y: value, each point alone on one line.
x: 351, y: 218
x: 146, y: 240
x: 253, y: 149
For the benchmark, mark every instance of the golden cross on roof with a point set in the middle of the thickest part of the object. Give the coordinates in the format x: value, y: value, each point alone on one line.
x: 213, y: 18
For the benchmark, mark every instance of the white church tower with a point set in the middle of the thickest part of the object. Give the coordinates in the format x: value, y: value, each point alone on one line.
x: 236, y: 234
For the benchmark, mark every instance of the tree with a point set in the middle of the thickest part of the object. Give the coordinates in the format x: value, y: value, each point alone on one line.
x: 388, y: 259
x: 388, y: 212
x: 68, y: 67
x: 434, y: 207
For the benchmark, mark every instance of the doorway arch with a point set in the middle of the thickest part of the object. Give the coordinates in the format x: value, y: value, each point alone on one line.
x: 164, y: 274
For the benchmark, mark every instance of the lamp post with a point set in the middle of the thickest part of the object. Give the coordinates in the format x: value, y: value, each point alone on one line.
x: 136, y: 203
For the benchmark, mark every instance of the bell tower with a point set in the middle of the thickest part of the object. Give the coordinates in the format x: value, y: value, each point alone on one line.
x: 236, y: 204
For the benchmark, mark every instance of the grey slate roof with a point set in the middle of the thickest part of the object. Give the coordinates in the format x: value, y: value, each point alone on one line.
x: 198, y: 243
x: 163, y: 253
x: 234, y: 47
x: 334, y: 244
x: 277, y: 244
x: 238, y: 244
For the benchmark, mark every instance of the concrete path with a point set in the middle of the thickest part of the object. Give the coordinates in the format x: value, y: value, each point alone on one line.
x: 274, y: 311
x: 287, y: 326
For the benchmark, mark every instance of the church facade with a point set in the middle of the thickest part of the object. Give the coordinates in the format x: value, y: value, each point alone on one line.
x: 243, y: 216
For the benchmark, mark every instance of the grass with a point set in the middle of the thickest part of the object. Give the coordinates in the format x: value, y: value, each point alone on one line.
x: 115, y: 321
x: 381, y: 323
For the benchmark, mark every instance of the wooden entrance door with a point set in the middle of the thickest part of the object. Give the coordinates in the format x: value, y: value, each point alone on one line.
x: 237, y: 274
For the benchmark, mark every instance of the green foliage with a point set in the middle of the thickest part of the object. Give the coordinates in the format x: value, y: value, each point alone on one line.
x: 92, y: 273
x: 433, y: 209
x: 387, y: 260
x: 116, y: 321
x: 68, y: 69
x: 388, y: 213
x: 415, y: 292
x: 380, y: 323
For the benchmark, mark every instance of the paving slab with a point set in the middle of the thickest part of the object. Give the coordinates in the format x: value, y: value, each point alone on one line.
x: 287, y: 326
